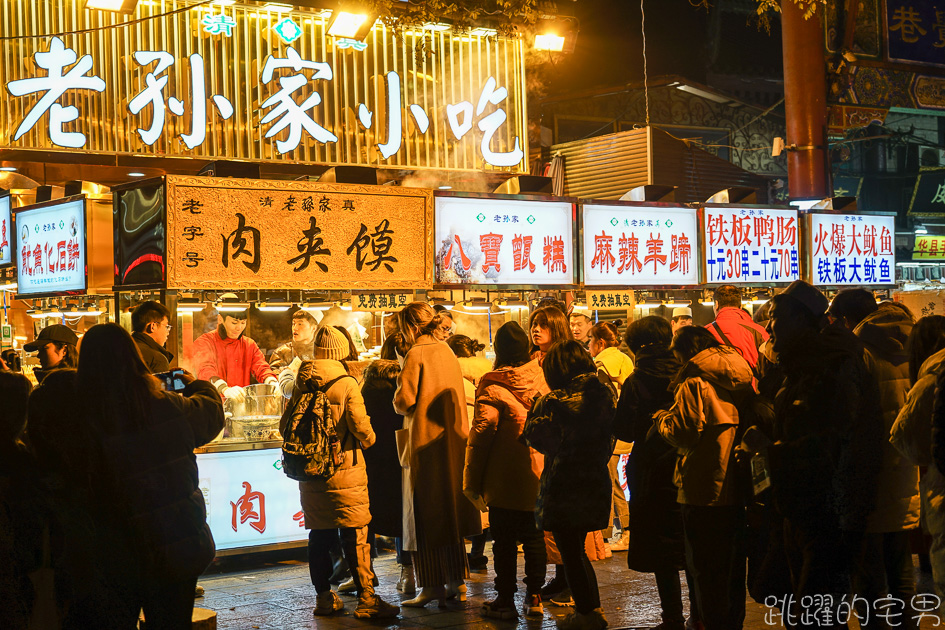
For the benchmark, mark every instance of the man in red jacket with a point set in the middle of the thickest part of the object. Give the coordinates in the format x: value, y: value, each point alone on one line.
x: 733, y: 325
x: 227, y: 359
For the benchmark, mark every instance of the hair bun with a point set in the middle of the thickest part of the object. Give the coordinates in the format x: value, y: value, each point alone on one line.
x: 617, y: 322
x: 478, y: 346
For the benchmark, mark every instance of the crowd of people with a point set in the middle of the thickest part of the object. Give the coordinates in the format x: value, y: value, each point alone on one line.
x: 775, y: 456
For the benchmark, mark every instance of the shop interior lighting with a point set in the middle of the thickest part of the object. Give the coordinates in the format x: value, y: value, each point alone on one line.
x: 8, y: 169
x: 921, y: 229
x: 476, y: 305
x: 118, y: 6
x: 273, y: 307
x: 343, y: 306
x: 136, y: 174
x: 90, y: 310
x: 189, y: 306
x: 649, y: 303
x: 36, y: 313
x: 675, y: 304
x: 232, y: 307
x: 349, y: 25
x: 315, y: 306
x: 447, y: 304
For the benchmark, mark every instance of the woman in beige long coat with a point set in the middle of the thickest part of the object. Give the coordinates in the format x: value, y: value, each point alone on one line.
x: 338, y: 504
x: 432, y: 447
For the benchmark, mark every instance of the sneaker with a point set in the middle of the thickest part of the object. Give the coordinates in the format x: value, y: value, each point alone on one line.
x: 347, y: 586
x: 407, y: 584
x: 622, y: 543
x: 563, y: 598
x: 499, y: 608
x: 327, y: 603
x: 371, y: 606
x: 593, y: 620
x: 532, y: 606
x: 555, y: 586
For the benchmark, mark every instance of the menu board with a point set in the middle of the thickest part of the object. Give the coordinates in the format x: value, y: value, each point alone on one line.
x: 51, y: 248
x: 497, y: 241
x: 6, y: 225
x: 750, y: 245
x: 851, y: 249
x: 640, y: 245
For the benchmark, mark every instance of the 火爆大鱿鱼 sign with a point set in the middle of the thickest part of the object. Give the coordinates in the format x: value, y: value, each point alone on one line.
x: 750, y: 245
x: 851, y: 249
x: 251, y: 86
x: 51, y: 249
x: 237, y: 233
x: 640, y: 245
x: 496, y: 241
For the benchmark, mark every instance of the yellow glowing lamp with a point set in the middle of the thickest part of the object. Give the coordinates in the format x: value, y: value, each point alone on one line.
x: 119, y: 6
x: 549, y: 41
x: 344, y: 24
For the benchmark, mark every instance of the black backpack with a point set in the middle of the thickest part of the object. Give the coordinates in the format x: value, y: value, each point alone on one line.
x: 311, y: 448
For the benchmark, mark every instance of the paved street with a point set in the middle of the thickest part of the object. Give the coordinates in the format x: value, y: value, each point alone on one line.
x: 280, y: 595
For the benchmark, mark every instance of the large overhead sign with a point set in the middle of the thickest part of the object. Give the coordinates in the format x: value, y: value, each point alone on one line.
x: 261, y: 85
x: 496, y: 241
x: 851, y: 249
x: 640, y: 245
x: 51, y: 249
x: 750, y: 245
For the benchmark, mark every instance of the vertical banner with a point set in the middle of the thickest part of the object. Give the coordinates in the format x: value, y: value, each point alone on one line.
x: 750, y: 245
x: 851, y: 249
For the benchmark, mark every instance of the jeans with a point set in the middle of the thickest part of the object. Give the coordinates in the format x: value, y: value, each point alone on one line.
x: 509, y: 528
x: 357, y: 553
x: 581, y: 577
x: 716, y: 557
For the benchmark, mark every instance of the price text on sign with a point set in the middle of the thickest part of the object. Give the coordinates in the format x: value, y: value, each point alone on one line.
x: 251, y: 233
x: 51, y: 249
x: 852, y: 249
x: 640, y: 245
x: 503, y: 242
x: 6, y: 240
x: 609, y: 299
x: 929, y: 248
x: 750, y: 245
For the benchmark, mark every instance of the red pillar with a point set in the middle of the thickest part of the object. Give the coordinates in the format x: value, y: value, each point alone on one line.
x: 805, y: 101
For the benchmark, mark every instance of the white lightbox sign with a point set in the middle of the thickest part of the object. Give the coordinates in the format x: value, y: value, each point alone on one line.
x: 851, y: 249
x: 6, y: 234
x: 250, y: 501
x: 504, y: 242
x: 750, y: 245
x: 640, y: 245
x: 51, y: 249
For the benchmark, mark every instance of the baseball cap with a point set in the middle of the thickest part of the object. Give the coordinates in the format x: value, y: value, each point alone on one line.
x: 56, y: 332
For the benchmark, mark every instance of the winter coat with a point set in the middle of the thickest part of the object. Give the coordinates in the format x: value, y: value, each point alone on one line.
x: 742, y: 332
x: 656, y: 535
x: 912, y: 432
x: 432, y: 447
x: 287, y: 352
x: 499, y: 467
x: 828, y: 432
x: 219, y: 359
x: 342, y: 500
x: 473, y: 369
x: 383, y: 464
x: 150, y: 478
x: 572, y: 428
x: 884, y: 333
x: 614, y: 365
x: 702, y: 424
x: 155, y: 356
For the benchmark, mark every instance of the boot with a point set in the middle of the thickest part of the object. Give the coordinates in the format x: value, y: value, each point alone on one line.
x: 427, y: 595
x: 456, y: 590
x: 556, y: 585
x: 371, y: 606
x: 407, y: 584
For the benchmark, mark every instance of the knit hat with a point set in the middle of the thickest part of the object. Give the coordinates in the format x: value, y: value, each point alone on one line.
x: 331, y: 344
x: 511, y: 345
x: 808, y: 296
x: 682, y: 311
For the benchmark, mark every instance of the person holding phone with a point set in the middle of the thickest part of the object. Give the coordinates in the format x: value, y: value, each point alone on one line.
x: 151, y: 326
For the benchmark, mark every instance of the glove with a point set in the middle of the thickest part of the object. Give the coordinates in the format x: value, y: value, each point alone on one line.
x: 294, y: 366
x: 272, y: 381
x: 236, y: 393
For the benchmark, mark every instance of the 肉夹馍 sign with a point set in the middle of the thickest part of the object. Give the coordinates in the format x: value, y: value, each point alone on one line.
x: 928, y: 247
x: 259, y: 85
x: 6, y: 246
x: 503, y: 242
x: 851, y: 249
x: 640, y: 245
x: 51, y: 249
x: 750, y: 245
x: 233, y: 233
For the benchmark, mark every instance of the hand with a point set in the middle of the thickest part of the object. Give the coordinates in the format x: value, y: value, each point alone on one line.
x: 237, y: 393
x: 476, y: 500
x: 272, y: 381
x: 294, y: 366
x: 187, y: 377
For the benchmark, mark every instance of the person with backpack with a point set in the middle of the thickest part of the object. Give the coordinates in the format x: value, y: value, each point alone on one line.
x: 734, y: 327
x: 703, y: 425
x: 613, y: 368
x: 334, y: 495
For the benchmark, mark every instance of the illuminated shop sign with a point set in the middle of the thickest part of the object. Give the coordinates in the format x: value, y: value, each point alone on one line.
x: 851, y: 249
x: 6, y: 226
x: 640, y: 245
x: 504, y: 242
x: 750, y: 245
x: 51, y: 249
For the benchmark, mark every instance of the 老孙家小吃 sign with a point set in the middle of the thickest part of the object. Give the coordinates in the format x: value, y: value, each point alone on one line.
x: 51, y: 249
x: 852, y: 249
x: 640, y: 245
x: 750, y: 245
x: 266, y: 234
x: 496, y: 241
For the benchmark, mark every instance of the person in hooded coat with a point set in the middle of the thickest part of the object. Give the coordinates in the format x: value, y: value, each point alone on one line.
x: 702, y: 424
x: 654, y: 521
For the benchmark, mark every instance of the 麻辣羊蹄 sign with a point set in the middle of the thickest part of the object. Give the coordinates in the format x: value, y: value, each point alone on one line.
x: 504, y: 242
x: 750, y: 245
x: 51, y: 248
x: 850, y: 249
x: 640, y: 245
x: 240, y: 233
x: 258, y: 84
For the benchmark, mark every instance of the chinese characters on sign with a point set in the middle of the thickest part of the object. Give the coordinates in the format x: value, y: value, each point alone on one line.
x: 380, y: 301
x: 851, y: 249
x: 503, y: 242
x: 227, y: 233
x: 51, y: 249
x: 609, y: 299
x: 6, y: 240
x: 929, y: 248
x: 916, y: 31
x: 750, y: 245
x: 640, y: 245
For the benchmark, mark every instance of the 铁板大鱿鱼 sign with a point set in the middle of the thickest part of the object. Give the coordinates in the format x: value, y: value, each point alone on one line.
x: 266, y: 234
x: 750, y: 245
x: 852, y: 249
